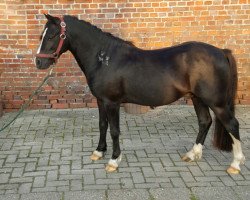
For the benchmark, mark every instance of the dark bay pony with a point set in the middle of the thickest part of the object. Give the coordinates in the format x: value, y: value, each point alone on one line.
x: 118, y: 72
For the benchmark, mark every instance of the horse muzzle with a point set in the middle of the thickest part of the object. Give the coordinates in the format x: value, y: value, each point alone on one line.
x: 43, y: 63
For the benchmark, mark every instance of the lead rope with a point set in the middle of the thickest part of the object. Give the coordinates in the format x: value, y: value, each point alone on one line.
x: 26, y: 105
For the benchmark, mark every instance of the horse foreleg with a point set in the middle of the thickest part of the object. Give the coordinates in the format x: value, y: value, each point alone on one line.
x: 205, y: 121
x: 194, y: 154
x: 113, y: 118
x: 103, y: 126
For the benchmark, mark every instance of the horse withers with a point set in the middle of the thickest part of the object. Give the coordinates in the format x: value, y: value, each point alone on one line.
x: 118, y: 72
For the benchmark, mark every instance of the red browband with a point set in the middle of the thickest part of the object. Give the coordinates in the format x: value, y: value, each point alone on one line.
x: 55, y: 55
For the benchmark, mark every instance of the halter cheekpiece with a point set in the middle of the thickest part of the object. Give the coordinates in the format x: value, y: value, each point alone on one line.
x: 55, y: 55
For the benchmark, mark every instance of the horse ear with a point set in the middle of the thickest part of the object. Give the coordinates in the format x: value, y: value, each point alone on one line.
x: 52, y: 19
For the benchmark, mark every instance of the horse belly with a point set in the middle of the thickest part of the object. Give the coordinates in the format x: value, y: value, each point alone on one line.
x: 152, y: 93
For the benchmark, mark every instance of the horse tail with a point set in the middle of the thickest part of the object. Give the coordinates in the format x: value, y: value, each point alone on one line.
x: 222, y: 139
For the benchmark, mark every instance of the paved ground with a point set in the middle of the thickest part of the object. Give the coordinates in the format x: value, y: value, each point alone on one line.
x: 44, y: 155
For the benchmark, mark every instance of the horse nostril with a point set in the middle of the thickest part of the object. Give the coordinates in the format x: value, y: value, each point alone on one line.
x: 38, y: 62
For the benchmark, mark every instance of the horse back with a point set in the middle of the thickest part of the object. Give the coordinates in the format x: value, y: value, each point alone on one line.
x: 159, y: 77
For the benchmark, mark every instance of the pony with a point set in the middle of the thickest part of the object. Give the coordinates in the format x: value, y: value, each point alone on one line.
x: 118, y: 72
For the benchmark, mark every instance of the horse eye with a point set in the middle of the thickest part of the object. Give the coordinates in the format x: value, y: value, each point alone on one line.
x: 52, y: 36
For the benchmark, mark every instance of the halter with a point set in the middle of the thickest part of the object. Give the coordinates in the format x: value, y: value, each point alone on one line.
x: 55, y: 55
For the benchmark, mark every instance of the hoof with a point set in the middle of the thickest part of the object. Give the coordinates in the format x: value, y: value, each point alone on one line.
x: 186, y: 159
x: 232, y: 170
x: 196, y: 158
x: 96, y: 155
x: 194, y: 154
x: 110, y: 168
x: 113, y: 164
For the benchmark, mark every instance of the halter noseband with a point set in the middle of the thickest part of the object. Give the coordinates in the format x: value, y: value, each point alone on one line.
x: 55, y: 55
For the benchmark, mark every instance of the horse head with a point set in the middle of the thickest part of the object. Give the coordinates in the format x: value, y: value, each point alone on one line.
x: 53, y: 42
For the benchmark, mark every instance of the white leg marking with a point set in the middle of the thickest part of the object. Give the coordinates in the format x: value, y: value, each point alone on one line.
x: 194, y: 154
x: 97, y: 155
x: 113, y: 164
x: 239, y: 158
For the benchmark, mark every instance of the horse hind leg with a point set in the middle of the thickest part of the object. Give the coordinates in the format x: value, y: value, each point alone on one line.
x: 239, y: 158
x: 231, y: 126
x: 205, y: 121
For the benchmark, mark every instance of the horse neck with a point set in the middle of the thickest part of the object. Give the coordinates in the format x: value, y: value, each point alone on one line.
x: 84, y: 43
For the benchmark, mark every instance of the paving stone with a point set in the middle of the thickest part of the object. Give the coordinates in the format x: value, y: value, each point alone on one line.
x: 56, y: 183
x: 44, y: 189
x: 10, y: 197
x: 148, y: 172
x: 90, y: 195
x: 76, y: 185
x: 89, y: 179
x: 135, y: 194
x: 187, y: 176
x: 117, y: 175
x: 64, y: 169
x: 30, y: 166
x: 177, y: 182
x: 1, y: 162
x: 170, y: 193
x: 21, y: 180
x: 228, y: 181
x: 37, y: 173
x: 147, y: 185
x: 42, y: 196
x: 243, y: 182
x: 25, y: 188
x: 243, y: 192
x: 39, y: 181
x: 208, y: 193
x: 108, y: 181
x: 52, y: 175
x: 127, y: 183
x: 204, y: 166
x: 196, y: 171
x: 95, y: 187
x: 76, y: 164
x: 4, y: 178
x: 218, y: 184
x: 200, y: 184
x: 157, y: 166
x: 99, y: 173
x: 11, y: 158
x: 138, y: 177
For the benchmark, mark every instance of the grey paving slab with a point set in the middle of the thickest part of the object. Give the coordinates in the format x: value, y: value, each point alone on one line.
x: 243, y: 192
x: 10, y: 197
x: 208, y: 193
x: 88, y: 195
x: 46, y: 153
x: 170, y: 193
x: 42, y: 196
x: 134, y: 194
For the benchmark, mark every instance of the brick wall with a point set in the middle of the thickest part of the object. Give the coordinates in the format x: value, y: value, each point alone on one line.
x: 148, y: 23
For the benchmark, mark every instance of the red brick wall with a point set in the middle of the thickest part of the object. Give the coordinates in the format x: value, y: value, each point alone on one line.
x: 149, y: 24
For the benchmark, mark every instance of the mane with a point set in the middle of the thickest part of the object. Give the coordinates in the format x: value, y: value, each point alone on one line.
x: 109, y: 35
